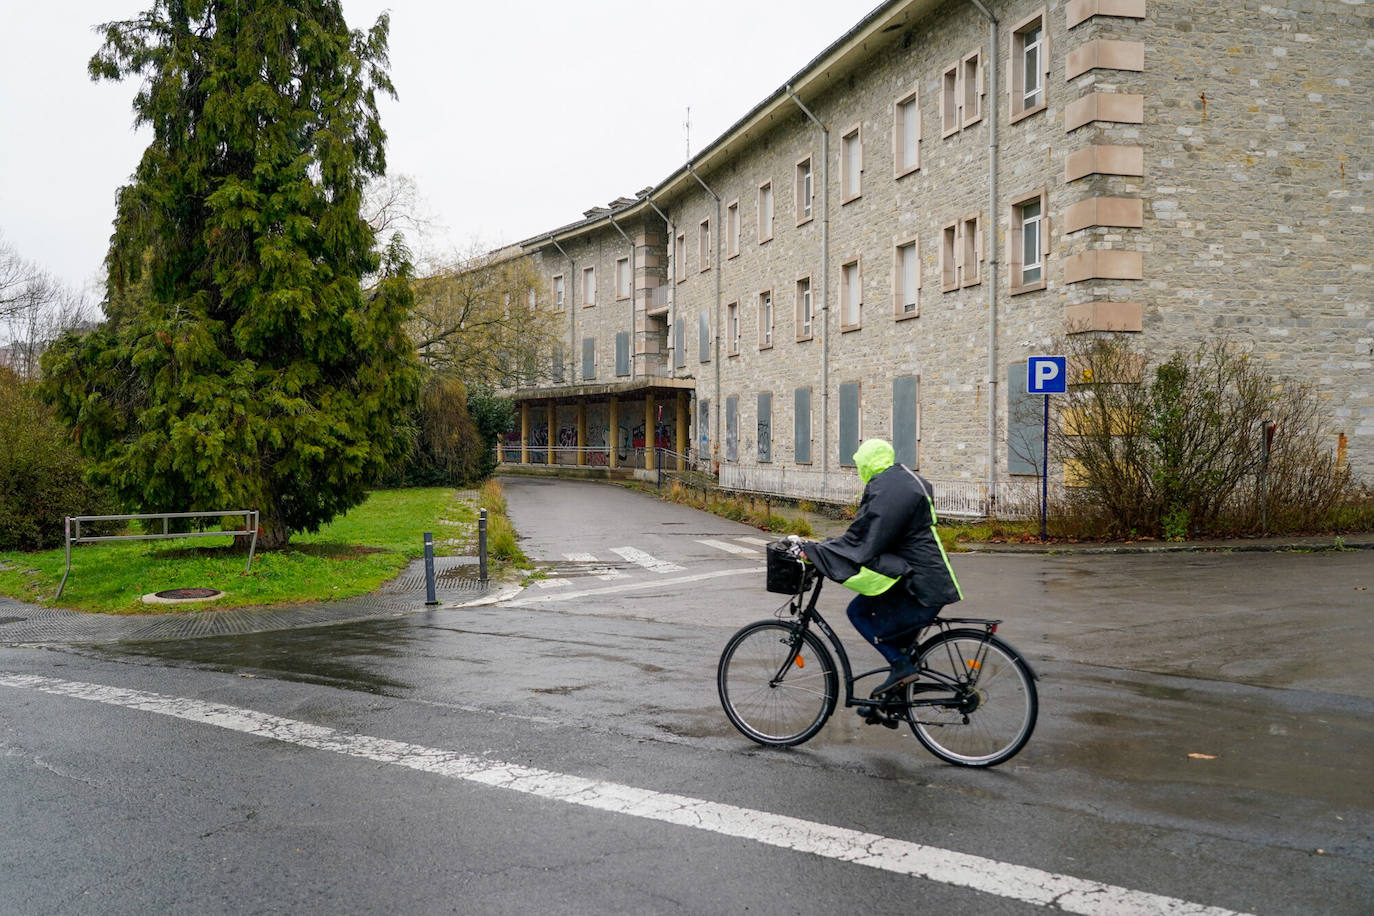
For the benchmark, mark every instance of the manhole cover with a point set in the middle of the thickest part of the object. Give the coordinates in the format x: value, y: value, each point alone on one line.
x: 181, y: 594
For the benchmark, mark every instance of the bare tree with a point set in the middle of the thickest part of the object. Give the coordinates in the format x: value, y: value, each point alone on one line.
x: 486, y: 319
x: 34, y: 309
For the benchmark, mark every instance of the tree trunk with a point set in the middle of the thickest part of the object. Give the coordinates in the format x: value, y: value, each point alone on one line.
x: 272, y: 534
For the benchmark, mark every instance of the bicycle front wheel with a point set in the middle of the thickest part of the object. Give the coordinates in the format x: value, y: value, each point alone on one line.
x: 777, y: 683
x: 992, y: 704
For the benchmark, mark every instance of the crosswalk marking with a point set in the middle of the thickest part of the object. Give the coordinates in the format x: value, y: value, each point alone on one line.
x: 758, y: 542
x: 605, y: 573
x: 649, y: 562
x: 728, y: 547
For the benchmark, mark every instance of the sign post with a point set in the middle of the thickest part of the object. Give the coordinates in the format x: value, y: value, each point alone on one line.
x: 1046, y: 375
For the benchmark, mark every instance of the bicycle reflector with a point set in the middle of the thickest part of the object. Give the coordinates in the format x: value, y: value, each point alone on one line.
x: 973, y: 663
x: 800, y: 663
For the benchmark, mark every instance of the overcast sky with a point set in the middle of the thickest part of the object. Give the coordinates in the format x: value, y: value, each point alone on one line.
x: 512, y: 117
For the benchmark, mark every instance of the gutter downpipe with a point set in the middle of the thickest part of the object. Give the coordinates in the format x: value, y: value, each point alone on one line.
x: 567, y: 290
x: 630, y: 242
x: 672, y: 309
x: 715, y: 244
x: 992, y: 254
x: 825, y: 289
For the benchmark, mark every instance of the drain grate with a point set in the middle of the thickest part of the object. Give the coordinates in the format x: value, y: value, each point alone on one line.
x: 181, y: 594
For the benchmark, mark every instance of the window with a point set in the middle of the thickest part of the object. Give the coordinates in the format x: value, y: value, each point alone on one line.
x: 680, y: 257
x: 732, y: 327
x: 906, y: 280
x: 851, y: 295
x: 1028, y: 243
x: 704, y: 244
x: 765, y: 212
x: 704, y: 337
x: 622, y: 353
x: 851, y: 165
x: 906, y: 136
x: 765, y: 428
x: 732, y: 230
x: 531, y: 299
x: 1025, y: 440
x: 850, y: 428
x: 558, y: 291
x: 588, y: 286
x: 949, y: 101
x: 588, y: 358
x: 558, y: 376
x: 1030, y: 67
x: 704, y: 427
x: 679, y: 343
x: 949, y: 257
x: 732, y: 428
x: 801, y: 425
x: 803, y: 313
x: 971, y: 75
x: 622, y: 278
x: 765, y: 319
x: 972, y: 251
x: 805, y: 190
x: 906, y: 419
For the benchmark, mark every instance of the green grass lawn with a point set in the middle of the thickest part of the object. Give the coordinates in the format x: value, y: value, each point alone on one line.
x: 352, y: 555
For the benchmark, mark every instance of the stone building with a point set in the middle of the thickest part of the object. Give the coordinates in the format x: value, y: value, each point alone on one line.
x: 950, y: 187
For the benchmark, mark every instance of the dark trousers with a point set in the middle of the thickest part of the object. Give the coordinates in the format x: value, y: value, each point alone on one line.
x: 890, y: 621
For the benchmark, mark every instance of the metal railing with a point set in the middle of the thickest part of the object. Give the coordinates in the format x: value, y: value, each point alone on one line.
x: 74, y: 535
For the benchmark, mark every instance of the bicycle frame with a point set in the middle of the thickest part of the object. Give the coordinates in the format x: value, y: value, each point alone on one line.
x: 809, y: 614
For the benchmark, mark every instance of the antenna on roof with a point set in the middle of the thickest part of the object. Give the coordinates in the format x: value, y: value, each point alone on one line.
x: 687, y: 127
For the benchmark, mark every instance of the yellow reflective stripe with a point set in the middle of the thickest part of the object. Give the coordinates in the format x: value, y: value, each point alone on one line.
x: 868, y: 582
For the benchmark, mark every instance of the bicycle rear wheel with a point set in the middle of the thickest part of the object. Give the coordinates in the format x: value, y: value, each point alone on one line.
x: 778, y: 686
x: 993, y: 703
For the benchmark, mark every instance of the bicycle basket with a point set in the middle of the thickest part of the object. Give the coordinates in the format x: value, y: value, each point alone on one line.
x: 784, y: 574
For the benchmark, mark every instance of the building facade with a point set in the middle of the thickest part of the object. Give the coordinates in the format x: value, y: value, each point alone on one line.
x: 877, y: 247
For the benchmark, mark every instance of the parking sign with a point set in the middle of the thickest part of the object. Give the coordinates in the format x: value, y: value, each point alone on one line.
x: 1047, y: 375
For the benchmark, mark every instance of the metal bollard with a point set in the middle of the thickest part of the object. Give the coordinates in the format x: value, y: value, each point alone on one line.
x: 429, y: 570
x: 482, y: 546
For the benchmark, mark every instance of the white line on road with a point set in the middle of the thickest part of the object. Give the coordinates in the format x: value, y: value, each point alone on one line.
x: 1017, y: 882
x: 757, y: 542
x: 552, y: 583
x: 635, y: 586
x: 604, y: 572
x: 648, y: 561
x: 728, y: 547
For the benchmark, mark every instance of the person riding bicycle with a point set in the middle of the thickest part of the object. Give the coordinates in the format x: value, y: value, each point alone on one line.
x: 892, y: 556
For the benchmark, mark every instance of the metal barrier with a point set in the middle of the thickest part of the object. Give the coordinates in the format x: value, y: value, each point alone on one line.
x: 250, y: 517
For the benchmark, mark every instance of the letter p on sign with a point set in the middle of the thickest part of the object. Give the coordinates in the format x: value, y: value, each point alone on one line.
x: 1047, y: 375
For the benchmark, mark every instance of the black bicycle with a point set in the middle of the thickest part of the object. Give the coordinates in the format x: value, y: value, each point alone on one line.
x: 974, y: 703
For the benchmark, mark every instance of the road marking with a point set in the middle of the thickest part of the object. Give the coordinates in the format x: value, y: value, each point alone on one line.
x: 552, y: 583
x: 642, y: 584
x: 649, y: 562
x: 1016, y: 882
x: 602, y: 572
x: 729, y: 548
x: 757, y: 542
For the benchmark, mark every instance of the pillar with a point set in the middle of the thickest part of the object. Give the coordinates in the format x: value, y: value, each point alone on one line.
x: 613, y: 434
x: 650, y: 452
x: 581, y: 432
x: 553, y: 430
x: 680, y: 433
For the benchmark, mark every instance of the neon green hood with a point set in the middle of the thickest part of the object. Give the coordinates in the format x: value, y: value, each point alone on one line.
x: 873, y: 457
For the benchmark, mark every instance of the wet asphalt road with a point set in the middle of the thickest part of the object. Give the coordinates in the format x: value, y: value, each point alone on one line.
x: 1258, y: 661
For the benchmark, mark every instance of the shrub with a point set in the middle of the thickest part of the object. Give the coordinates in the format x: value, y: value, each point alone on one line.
x: 42, y: 475
x: 1177, y: 449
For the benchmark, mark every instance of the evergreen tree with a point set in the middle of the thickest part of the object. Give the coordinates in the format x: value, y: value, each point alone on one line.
x: 242, y: 364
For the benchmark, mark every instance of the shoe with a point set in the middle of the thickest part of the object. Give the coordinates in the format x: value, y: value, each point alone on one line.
x: 872, y: 716
x: 901, y: 675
